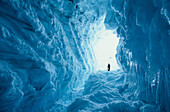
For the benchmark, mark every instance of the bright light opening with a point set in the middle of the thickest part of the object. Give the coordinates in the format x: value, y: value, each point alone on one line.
x: 105, y: 48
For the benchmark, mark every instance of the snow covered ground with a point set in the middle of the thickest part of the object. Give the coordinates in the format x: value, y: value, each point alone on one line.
x: 109, y: 92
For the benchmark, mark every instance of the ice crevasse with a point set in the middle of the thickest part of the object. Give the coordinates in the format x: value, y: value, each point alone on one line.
x: 48, y: 64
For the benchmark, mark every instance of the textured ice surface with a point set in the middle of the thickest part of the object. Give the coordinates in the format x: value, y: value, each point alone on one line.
x: 42, y: 58
x: 47, y: 61
x: 144, y: 48
x: 107, y: 92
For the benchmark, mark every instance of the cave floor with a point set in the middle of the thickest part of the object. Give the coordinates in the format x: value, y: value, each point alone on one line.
x: 107, y: 91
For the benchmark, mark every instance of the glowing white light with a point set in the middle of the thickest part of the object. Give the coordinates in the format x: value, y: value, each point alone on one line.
x: 105, y: 49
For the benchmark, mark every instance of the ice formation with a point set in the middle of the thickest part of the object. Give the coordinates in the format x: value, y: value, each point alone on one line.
x: 48, y: 61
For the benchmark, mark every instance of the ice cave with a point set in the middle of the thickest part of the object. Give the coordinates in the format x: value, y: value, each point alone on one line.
x: 54, y: 55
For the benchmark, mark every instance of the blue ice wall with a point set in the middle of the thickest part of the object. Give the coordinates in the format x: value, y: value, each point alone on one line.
x: 41, y: 56
x: 144, y: 49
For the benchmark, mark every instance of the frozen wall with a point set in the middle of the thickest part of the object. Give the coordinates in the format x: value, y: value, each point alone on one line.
x: 42, y: 57
x: 144, y: 48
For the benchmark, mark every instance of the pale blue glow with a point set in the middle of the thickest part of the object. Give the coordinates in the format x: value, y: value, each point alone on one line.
x: 105, y: 48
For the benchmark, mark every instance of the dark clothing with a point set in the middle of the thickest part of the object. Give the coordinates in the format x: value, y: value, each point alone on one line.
x: 108, y: 67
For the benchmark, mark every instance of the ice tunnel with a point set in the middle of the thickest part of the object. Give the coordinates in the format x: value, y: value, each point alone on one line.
x: 54, y: 55
x: 104, y: 43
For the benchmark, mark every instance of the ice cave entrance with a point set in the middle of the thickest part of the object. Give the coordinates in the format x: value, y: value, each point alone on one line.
x: 104, y: 48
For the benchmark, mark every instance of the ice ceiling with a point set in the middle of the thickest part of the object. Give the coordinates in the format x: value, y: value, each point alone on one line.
x: 50, y: 50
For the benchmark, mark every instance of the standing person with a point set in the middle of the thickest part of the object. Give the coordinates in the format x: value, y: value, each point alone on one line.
x: 108, y: 67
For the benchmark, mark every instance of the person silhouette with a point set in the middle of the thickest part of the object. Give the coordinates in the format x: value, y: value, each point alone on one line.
x: 108, y: 67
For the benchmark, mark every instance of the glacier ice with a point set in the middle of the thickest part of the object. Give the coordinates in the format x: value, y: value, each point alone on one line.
x: 48, y: 60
